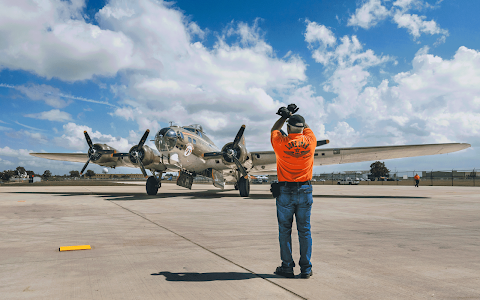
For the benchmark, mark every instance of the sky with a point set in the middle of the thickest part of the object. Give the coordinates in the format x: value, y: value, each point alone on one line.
x: 363, y: 73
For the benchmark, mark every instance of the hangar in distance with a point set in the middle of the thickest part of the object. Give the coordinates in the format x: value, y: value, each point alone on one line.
x: 197, y: 155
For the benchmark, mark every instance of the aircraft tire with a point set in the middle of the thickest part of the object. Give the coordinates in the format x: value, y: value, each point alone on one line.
x: 235, y: 186
x: 244, y: 187
x: 152, y: 186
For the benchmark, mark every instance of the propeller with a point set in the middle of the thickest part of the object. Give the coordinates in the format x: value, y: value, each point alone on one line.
x: 94, y: 151
x: 322, y: 142
x: 230, y: 153
x: 137, y: 153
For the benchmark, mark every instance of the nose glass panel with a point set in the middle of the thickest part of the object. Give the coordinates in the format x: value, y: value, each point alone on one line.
x: 167, y: 139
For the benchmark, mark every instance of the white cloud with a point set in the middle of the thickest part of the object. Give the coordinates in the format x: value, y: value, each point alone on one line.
x: 222, y: 87
x: 48, y: 94
x: 4, y: 162
x: 29, y: 127
x: 33, y: 137
x: 74, y: 138
x: 416, y: 25
x: 369, y: 14
x: 347, y: 66
x: 52, y: 39
x: 349, y: 52
x: 343, y: 135
x: 319, y: 33
x: 52, y: 115
x: 169, y: 74
x: 436, y: 101
x: 405, y: 4
x: 7, y: 151
x: 372, y: 11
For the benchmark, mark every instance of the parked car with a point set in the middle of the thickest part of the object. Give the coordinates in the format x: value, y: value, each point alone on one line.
x: 348, y: 181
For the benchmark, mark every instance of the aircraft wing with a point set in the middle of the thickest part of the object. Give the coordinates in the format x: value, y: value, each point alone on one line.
x: 264, y: 162
x: 114, y: 162
x: 73, y: 157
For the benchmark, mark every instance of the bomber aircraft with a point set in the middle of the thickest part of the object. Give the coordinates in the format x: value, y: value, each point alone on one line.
x: 197, y: 155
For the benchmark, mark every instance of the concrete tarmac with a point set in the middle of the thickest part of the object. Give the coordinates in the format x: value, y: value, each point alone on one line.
x: 369, y: 242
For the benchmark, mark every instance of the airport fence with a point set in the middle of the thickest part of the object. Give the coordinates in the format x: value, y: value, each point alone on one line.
x: 427, y: 178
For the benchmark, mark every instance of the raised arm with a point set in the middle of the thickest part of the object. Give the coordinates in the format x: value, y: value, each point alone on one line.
x: 279, y: 124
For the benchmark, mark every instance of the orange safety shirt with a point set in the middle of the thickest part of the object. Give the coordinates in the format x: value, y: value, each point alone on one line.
x: 416, y: 177
x: 295, y: 154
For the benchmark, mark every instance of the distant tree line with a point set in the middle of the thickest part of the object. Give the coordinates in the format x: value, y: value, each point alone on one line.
x: 47, y: 174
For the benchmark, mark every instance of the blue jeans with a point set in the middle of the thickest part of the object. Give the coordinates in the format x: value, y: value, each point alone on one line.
x: 295, y: 201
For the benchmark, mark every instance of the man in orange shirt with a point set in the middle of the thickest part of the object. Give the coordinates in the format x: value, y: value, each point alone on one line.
x: 417, y: 179
x: 294, y: 154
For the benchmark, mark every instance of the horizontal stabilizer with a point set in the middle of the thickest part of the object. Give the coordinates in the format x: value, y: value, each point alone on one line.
x: 322, y: 142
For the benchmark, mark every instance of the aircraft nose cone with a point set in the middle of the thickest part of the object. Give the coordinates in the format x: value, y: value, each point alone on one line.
x: 167, y: 139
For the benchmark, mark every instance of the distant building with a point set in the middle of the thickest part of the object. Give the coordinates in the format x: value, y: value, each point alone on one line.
x: 118, y: 176
x: 448, y: 174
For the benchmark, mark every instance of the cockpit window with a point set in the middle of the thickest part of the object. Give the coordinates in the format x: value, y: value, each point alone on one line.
x: 189, y: 129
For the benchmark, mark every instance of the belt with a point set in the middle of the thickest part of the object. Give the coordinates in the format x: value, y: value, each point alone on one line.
x: 297, y: 184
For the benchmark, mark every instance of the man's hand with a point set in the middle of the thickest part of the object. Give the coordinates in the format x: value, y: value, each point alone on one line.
x: 292, y: 108
x: 284, y: 112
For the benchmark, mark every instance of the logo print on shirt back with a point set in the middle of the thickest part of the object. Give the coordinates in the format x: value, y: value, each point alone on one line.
x: 297, y: 153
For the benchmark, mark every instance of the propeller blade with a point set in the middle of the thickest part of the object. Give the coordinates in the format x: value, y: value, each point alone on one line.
x: 238, y: 137
x: 142, y: 167
x: 240, y: 167
x: 89, y: 141
x: 212, y: 154
x: 85, y: 166
x: 144, y: 138
x: 323, y: 142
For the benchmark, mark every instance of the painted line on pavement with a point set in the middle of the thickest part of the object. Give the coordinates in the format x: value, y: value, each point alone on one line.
x: 204, y: 248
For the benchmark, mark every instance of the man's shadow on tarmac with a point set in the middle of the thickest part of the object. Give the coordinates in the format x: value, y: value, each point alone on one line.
x: 211, y: 276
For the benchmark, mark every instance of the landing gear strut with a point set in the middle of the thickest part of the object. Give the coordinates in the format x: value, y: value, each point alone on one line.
x: 244, y: 186
x: 153, y: 184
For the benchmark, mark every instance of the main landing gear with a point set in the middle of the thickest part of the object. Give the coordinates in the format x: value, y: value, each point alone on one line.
x: 243, y: 185
x: 153, y: 184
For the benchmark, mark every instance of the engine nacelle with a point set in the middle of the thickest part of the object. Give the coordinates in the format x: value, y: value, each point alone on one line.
x: 99, y: 158
x: 240, y: 153
x: 146, y: 155
x: 149, y: 155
